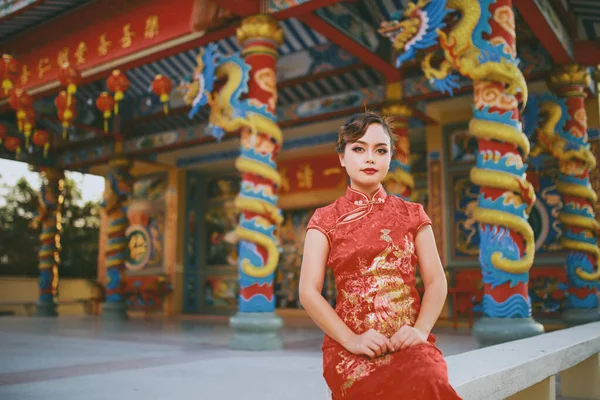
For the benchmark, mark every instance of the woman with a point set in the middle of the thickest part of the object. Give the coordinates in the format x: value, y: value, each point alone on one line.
x: 377, y: 341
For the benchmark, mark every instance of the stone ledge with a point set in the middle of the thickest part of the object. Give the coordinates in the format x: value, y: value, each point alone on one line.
x: 499, y: 371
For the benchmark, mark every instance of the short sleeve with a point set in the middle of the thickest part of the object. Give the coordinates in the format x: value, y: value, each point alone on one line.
x: 317, y: 222
x: 422, y: 218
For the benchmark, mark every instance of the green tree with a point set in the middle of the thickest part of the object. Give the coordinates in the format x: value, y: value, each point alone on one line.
x: 80, y: 236
x: 19, y: 242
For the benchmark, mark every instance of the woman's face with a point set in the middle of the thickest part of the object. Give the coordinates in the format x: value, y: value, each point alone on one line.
x: 367, y: 160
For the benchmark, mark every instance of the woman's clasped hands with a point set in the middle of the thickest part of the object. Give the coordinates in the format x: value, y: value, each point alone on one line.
x: 374, y: 344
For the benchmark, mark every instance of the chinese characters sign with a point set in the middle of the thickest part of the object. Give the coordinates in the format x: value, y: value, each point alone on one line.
x: 310, y: 174
x: 130, y: 31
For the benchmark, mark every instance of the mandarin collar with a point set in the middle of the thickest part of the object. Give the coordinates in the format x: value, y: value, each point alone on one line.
x: 358, y: 198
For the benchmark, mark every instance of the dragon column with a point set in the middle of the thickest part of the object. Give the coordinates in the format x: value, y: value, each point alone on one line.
x: 49, y: 217
x: 116, y: 198
x: 507, y: 246
x: 481, y: 45
x: 580, y: 237
x: 255, y: 326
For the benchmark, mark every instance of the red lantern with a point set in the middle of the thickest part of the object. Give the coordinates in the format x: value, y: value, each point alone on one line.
x: 9, y: 69
x: 118, y: 83
x: 42, y: 139
x: 69, y: 77
x: 66, y: 109
x: 66, y: 116
x: 20, y: 101
x: 105, y: 103
x: 162, y: 86
x: 13, y: 143
x: 28, y: 123
x: 3, y: 132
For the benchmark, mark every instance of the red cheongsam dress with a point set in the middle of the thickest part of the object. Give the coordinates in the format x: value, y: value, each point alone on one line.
x: 372, y: 254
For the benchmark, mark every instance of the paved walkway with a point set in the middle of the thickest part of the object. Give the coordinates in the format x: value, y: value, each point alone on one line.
x: 82, y: 358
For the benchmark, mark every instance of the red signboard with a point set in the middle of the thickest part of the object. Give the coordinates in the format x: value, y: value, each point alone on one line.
x: 125, y: 32
x: 310, y: 174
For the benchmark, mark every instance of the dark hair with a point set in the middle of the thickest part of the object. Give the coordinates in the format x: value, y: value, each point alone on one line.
x: 355, y: 127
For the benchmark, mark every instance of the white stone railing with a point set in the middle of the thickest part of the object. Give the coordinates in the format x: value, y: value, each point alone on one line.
x: 526, y: 369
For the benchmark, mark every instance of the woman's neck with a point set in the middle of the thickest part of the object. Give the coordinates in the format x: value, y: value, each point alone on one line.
x: 368, y: 190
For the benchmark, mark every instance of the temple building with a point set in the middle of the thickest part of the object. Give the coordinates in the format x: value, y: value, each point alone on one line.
x: 214, y: 123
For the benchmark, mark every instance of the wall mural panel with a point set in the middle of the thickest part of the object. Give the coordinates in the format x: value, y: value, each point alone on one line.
x: 146, y: 215
x: 146, y: 280
x: 221, y: 291
x: 221, y: 219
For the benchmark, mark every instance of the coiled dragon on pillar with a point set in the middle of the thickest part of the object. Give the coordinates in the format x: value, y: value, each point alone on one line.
x: 116, y: 199
x: 481, y: 46
x: 546, y: 117
x: 234, y: 109
x: 49, y: 217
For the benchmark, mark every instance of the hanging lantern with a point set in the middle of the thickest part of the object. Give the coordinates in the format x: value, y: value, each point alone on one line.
x: 3, y: 133
x: 42, y: 139
x: 13, y: 144
x: 28, y: 124
x: 66, y: 110
x: 66, y: 116
x: 20, y: 101
x: 9, y: 69
x: 69, y: 77
x: 118, y: 83
x: 162, y: 86
x: 105, y: 103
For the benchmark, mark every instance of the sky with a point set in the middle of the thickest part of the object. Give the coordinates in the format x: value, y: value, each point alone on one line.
x: 91, y: 186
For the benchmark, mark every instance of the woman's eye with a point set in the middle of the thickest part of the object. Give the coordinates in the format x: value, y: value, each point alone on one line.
x: 357, y: 149
x: 382, y: 151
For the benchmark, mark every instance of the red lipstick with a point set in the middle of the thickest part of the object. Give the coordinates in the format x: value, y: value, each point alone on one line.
x: 369, y: 171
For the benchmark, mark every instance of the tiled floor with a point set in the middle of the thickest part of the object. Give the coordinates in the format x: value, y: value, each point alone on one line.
x: 73, y: 358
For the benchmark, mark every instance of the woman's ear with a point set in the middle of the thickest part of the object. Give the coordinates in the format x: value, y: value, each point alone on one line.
x: 341, y: 156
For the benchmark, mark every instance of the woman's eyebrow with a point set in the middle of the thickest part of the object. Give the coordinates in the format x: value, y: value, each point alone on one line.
x: 365, y: 143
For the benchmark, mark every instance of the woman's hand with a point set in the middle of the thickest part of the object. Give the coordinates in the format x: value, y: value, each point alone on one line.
x: 370, y: 343
x: 407, y: 336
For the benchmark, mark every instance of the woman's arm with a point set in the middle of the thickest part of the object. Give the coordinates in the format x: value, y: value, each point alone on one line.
x: 312, y: 274
x: 434, y: 280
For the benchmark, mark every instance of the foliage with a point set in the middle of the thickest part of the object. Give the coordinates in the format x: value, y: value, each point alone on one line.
x: 19, y: 242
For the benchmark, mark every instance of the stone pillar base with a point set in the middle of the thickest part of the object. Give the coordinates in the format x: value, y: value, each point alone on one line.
x: 491, y: 331
x: 114, y: 311
x: 580, y: 316
x: 45, y: 309
x: 256, y: 331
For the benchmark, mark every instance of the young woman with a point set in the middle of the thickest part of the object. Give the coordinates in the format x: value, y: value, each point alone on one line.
x: 377, y: 341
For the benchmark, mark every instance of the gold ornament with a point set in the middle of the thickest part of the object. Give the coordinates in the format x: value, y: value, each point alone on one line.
x: 259, y: 26
x: 570, y: 74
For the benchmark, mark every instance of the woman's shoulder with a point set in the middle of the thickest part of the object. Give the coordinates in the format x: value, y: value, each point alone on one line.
x: 332, y: 209
x: 412, y: 209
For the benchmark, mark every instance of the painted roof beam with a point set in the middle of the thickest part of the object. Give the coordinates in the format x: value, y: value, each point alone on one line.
x: 555, y: 38
x: 304, y: 13
x: 390, y: 72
